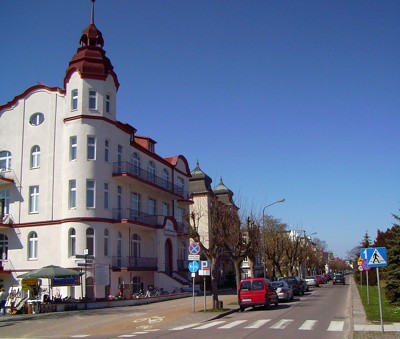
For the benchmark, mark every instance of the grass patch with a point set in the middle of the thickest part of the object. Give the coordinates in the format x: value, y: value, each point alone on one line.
x: 391, y: 312
x: 215, y: 310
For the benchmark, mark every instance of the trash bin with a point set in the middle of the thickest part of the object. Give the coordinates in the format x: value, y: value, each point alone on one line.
x: 220, y: 304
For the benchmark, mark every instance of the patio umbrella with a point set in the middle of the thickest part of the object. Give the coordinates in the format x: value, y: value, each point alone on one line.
x: 51, y: 272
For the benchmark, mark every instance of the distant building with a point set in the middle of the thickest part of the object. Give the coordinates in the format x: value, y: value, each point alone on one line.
x: 75, y: 180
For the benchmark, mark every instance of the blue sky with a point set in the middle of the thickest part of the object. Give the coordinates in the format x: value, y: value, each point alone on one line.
x: 283, y: 99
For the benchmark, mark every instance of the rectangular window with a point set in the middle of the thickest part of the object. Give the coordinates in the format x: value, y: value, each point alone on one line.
x: 90, y: 194
x: 165, y: 209
x: 106, y: 150
x: 74, y: 99
x: 91, y: 148
x: 119, y: 158
x: 72, y: 194
x: 108, y: 103
x: 92, y: 99
x: 73, y: 147
x: 135, y: 204
x: 106, y: 195
x: 151, y: 206
x: 33, y: 199
x: 5, y: 202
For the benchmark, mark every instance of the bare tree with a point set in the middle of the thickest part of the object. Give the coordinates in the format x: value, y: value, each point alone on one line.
x: 212, y: 240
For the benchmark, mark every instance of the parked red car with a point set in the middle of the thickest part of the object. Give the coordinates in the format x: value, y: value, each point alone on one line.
x: 320, y: 279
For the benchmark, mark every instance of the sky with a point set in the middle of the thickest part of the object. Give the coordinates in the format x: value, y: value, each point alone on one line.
x: 281, y: 99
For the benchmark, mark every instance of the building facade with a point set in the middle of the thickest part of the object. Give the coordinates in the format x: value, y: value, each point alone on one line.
x: 75, y: 180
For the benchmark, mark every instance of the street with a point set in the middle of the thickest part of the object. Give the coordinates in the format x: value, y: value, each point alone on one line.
x: 321, y: 313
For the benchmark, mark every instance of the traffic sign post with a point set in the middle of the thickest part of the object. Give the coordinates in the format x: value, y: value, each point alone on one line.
x: 376, y: 257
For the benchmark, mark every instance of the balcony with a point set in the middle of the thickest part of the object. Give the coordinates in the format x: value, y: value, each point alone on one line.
x: 126, y: 169
x: 135, y: 264
x: 138, y: 217
x: 6, y: 177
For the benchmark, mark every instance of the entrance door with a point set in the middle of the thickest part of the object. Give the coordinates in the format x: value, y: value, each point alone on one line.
x: 168, y: 257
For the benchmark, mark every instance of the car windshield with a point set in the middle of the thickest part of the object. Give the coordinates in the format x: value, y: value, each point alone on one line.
x: 278, y: 284
x: 310, y: 277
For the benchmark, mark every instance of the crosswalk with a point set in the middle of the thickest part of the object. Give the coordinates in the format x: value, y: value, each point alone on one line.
x: 281, y: 324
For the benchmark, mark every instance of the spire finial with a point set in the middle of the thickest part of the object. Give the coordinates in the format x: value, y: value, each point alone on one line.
x: 92, y: 17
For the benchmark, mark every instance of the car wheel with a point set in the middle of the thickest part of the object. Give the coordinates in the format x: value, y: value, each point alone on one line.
x: 267, y: 304
x: 276, y: 303
x: 242, y: 309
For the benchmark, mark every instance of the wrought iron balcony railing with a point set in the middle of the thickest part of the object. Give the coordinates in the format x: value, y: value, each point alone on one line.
x: 125, y: 167
x: 146, y: 264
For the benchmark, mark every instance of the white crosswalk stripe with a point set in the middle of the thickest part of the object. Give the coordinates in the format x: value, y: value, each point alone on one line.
x: 232, y: 324
x: 183, y: 327
x: 211, y: 324
x: 336, y: 326
x: 281, y: 324
x: 308, y: 325
x: 258, y: 323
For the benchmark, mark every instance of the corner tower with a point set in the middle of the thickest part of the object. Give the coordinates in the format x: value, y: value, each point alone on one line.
x: 90, y: 81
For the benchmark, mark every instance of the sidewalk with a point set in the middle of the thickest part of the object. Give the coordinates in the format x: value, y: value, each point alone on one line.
x: 363, y: 328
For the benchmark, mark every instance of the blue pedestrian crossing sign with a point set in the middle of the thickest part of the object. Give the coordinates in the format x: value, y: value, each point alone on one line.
x: 193, y: 266
x: 374, y: 256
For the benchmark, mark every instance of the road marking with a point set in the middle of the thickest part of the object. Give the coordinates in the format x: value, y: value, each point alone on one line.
x: 127, y: 336
x: 211, y: 324
x: 233, y: 324
x: 336, y: 326
x: 183, y: 327
x: 80, y: 336
x: 258, y: 323
x: 308, y: 325
x: 281, y: 324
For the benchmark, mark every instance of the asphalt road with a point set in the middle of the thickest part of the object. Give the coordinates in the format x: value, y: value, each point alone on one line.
x: 322, y: 313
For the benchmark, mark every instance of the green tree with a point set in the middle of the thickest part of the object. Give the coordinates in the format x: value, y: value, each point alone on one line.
x: 392, y: 270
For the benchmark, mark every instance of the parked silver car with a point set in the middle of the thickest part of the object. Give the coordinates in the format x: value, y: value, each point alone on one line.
x: 284, y: 291
x: 312, y: 281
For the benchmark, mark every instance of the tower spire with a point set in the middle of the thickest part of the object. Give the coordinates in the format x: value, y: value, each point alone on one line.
x: 92, y: 16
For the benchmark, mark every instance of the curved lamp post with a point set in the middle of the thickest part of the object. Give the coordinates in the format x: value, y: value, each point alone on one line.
x: 263, y: 226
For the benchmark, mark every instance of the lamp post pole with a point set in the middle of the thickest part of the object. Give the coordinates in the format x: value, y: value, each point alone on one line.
x: 264, y: 240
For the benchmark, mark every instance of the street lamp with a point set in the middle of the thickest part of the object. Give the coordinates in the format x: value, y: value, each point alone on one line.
x: 263, y: 226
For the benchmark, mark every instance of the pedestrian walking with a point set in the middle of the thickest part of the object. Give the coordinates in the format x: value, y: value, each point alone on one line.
x: 3, y: 300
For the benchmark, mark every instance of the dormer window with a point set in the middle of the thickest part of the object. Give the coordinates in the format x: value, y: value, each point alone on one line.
x: 92, y: 99
x: 151, y: 147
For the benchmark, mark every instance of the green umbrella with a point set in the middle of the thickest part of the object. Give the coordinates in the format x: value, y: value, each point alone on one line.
x: 51, y: 272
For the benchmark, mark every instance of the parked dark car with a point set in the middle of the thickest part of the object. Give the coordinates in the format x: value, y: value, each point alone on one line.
x: 339, y: 279
x: 305, y: 285
x: 295, y: 283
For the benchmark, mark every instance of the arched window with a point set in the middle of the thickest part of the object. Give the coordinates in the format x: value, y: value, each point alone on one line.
x: 5, y: 160
x: 151, y: 172
x: 36, y: 119
x: 135, y: 246
x: 71, y: 242
x: 135, y: 159
x: 165, y: 178
x: 32, y: 246
x: 106, y: 243
x: 3, y: 247
x: 35, y: 156
x: 90, y: 241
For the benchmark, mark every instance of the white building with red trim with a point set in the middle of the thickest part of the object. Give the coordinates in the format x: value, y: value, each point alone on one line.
x: 74, y: 178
